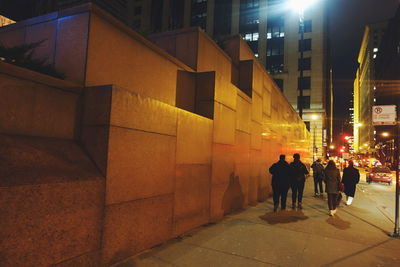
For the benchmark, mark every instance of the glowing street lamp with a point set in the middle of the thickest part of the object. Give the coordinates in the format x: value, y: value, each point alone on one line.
x: 314, y: 117
x: 385, y: 134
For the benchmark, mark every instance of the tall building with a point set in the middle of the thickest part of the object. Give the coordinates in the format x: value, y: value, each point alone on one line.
x: 271, y: 30
x: 387, y: 82
x: 364, y: 88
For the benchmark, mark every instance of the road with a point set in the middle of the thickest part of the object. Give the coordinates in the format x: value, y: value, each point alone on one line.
x: 381, y: 194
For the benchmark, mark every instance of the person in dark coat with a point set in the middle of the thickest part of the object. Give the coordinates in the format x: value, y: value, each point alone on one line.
x: 351, y: 177
x: 297, y: 180
x: 318, y: 175
x: 332, y: 181
x: 280, y: 182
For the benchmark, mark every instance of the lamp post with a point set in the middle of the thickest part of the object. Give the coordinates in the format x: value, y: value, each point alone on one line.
x: 300, y: 6
x: 314, y: 118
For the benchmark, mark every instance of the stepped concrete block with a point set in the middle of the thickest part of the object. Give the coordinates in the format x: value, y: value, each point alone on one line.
x: 137, y: 171
x: 194, y: 139
x: 131, y: 227
x: 224, y: 124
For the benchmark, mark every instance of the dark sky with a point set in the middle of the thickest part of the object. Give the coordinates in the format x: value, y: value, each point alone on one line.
x: 347, y: 20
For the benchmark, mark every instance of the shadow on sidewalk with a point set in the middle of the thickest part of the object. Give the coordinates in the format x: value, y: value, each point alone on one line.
x: 286, y: 216
x: 338, y: 223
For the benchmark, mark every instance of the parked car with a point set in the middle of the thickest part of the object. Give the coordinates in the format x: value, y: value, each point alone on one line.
x: 379, y: 174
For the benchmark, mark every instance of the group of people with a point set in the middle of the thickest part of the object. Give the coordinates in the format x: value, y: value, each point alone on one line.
x: 293, y: 175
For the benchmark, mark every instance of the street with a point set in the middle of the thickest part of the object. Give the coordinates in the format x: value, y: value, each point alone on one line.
x: 356, y: 236
x: 381, y: 194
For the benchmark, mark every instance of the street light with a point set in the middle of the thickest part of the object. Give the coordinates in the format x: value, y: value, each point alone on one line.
x: 299, y: 6
x: 314, y: 117
x: 385, y: 134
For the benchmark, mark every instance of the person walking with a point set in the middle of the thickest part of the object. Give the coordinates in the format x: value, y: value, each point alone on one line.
x: 332, y: 180
x: 351, y: 177
x: 318, y: 175
x: 297, y: 180
x: 280, y: 182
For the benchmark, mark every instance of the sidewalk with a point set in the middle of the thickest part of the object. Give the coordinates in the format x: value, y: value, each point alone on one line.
x: 355, y: 236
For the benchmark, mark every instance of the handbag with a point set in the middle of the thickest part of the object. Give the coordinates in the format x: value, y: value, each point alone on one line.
x: 341, y: 187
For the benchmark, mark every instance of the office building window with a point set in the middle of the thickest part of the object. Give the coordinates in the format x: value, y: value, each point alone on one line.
x: 251, y: 36
x: 306, y: 46
x: 305, y: 82
x: 306, y: 102
x: 199, y: 13
x: 275, y: 28
x: 279, y: 83
x: 222, y: 17
x: 249, y: 3
x: 307, y: 26
x: 137, y: 10
x: 305, y: 64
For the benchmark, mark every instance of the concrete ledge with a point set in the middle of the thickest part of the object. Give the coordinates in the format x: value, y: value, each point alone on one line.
x: 33, y: 76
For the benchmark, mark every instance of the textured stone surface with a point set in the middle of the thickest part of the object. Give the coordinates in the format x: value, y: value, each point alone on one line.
x: 224, y: 124
x: 51, y: 204
x: 131, y: 227
x: 121, y: 62
x: 192, y: 196
x: 71, y: 47
x: 135, y: 111
x: 194, y: 139
x: 136, y: 170
x: 52, y: 113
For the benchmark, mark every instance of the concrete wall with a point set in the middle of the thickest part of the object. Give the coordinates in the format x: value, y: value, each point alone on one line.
x: 182, y: 136
x: 52, y: 196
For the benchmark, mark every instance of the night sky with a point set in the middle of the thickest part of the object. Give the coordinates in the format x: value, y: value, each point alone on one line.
x: 347, y: 20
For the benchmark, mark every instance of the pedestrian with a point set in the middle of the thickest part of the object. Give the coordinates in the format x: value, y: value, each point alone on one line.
x: 332, y: 180
x: 318, y: 175
x: 297, y: 180
x: 351, y: 177
x: 280, y: 182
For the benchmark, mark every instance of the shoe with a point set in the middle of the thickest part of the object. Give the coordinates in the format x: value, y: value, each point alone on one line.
x: 276, y: 208
x: 299, y: 206
x: 331, y: 213
x: 334, y: 211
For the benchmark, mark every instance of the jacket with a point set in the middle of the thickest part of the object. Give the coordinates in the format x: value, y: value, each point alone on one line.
x: 332, y: 180
x: 280, y: 174
x: 298, y: 171
x: 351, y: 177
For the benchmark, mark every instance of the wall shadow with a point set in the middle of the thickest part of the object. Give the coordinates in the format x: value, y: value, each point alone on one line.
x: 286, y: 216
x: 233, y: 199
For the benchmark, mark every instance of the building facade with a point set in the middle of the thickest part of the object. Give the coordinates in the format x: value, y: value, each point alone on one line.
x: 387, y: 84
x: 365, y: 87
x: 271, y: 30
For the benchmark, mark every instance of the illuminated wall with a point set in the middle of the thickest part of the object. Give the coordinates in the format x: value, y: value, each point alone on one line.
x: 182, y: 138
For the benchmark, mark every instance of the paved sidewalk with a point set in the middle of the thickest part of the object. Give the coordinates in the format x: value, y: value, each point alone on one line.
x: 355, y: 236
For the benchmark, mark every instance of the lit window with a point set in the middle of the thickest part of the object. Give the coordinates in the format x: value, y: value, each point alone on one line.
x: 256, y: 55
x: 375, y: 49
x: 374, y: 132
x: 255, y: 36
x: 374, y: 87
x: 374, y: 99
x: 269, y: 35
x: 374, y: 56
x: 247, y: 37
x: 282, y: 34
